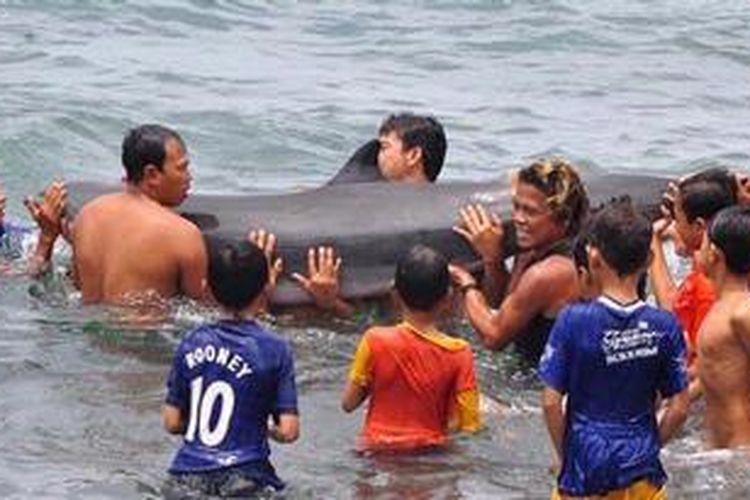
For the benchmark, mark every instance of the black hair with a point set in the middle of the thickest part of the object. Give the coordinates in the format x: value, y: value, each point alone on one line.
x: 146, y: 145
x: 563, y: 189
x: 422, y: 278
x: 622, y: 236
x: 424, y: 132
x: 237, y: 272
x: 730, y: 232
x: 704, y: 194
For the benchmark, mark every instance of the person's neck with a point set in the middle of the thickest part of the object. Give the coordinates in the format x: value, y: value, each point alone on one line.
x: 416, y: 176
x: 623, y: 290
x: 422, y: 321
x: 248, y: 313
x: 140, y: 191
x: 728, y: 284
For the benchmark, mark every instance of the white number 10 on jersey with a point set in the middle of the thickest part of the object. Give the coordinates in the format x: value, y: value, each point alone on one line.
x: 201, y: 408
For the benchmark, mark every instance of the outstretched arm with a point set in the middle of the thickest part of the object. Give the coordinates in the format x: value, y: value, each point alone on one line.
x: 664, y: 286
x: 542, y: 286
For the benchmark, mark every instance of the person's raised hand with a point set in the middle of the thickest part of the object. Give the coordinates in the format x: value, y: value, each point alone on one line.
x: 48, y: 213
x: 483, y: 230
x: 322, y: 280
x: 266, y: 241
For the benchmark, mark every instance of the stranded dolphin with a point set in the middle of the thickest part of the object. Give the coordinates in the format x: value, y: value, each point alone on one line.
x: 370, y: 223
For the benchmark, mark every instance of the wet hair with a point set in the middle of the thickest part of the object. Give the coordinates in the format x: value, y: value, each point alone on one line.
x: 704, y: 194
x: 422, y: 278
x: 622, y: 236
x: 146, y: 145
x: 730, y: 232
x: 565, y: 193
x: 237, y: 272
x: 424, y: 132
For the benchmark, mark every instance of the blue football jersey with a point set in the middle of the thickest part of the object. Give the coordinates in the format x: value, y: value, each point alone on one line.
x: 612, y: 361
x: 228, y: 378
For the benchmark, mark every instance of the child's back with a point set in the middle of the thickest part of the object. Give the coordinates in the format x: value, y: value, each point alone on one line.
x: 415, y: 380
x: 612, y: 357
x: 421, y: 383
x: 612, y: 361
x: 229, y: 377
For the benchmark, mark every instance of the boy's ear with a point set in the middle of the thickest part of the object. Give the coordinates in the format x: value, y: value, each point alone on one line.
x: 701, y: 222
x: 715, y: 255
x: 595, y: 257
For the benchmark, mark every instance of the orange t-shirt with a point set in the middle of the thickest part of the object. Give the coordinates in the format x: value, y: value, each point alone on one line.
x: 695, y: 296
x: 420, y: 385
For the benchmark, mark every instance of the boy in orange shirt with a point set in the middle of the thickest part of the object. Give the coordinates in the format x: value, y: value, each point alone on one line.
x: 421, y: 383
x: 696, y: 199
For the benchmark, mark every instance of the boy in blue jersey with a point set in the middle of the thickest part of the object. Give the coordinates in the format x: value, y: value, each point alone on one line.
x: 228, y: 378
x: 612, y: 356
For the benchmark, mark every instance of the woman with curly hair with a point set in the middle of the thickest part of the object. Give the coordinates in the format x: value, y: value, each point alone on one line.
x: 549, y: 205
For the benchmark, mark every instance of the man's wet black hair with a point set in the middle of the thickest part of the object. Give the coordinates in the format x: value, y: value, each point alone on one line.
x: 237, y: 272
x: 422, y: 131
x: 704, y: 194
x: 622, y: 236
x: 422, y: 278
x: 146, y: 145
x: 730, y: 232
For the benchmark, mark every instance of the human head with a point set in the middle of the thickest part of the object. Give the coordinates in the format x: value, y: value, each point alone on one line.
x: 699, y: 198
x: 237, y: 273
x: 155, y: 160
x: 549, y: 203
x: 422, y: 278
x: 411, y: 146
x: 620, y: 238
x: 727, y: 242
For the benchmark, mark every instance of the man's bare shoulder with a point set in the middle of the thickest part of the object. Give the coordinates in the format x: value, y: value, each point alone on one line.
x: 100, y: 204
x: 148, y: 213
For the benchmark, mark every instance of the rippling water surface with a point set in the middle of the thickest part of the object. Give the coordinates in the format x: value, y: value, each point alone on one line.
x: 274, y: 96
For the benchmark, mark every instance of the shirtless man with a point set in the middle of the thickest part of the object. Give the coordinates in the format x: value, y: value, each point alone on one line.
x: 724, y: 339
x: 130, y: 243
x: 412, y: 151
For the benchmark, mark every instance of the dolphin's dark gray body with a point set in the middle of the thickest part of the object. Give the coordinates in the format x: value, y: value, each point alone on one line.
x: 369, y: 223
